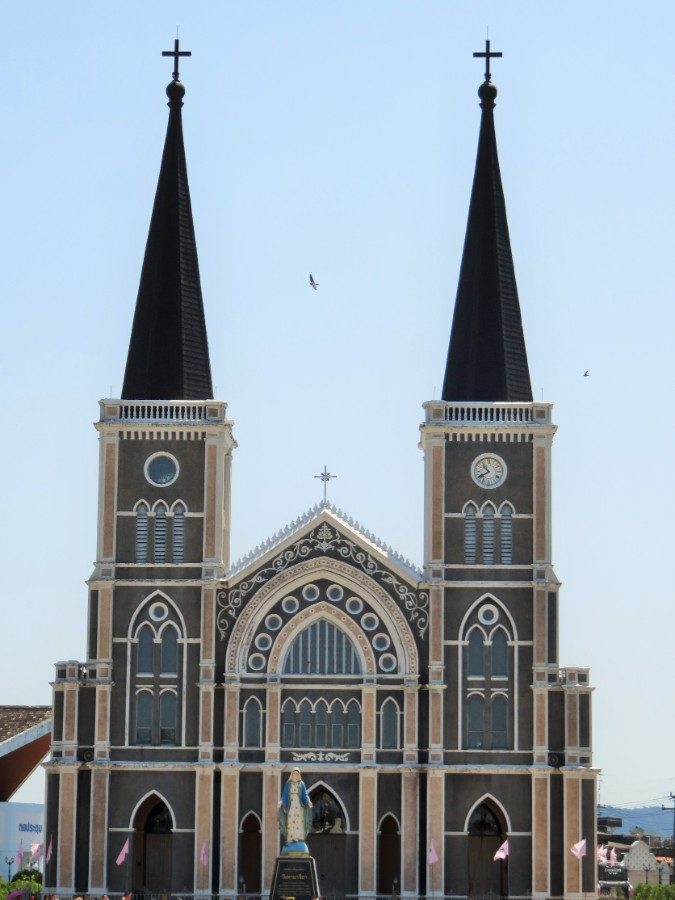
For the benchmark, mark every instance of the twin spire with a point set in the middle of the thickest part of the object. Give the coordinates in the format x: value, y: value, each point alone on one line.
x: 168, y: 353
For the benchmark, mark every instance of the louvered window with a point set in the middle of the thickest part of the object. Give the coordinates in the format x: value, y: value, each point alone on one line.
x: 488, y: 536
x: 160, y: 534
x: 142, y: 533
x: 322, y: 649
x: 470, y: 535
x: 506, y: 535
x: 178, y: 534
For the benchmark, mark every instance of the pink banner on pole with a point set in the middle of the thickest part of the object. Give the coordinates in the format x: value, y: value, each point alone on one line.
x: 432, y: 856
x: 503, y: 851
x: 124, y: 852
x: 579, y: 849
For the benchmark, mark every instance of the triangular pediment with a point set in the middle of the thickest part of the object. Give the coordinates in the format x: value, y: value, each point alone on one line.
x: 323, y: 529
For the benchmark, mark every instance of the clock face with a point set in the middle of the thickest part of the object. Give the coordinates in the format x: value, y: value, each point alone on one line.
x: 488, y: 470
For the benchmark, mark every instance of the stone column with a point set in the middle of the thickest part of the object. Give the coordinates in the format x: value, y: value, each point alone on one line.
x: 231, y: 736
x: 203, y: 830
x: 66, y: 840
x: 270, y: 827
x: 540, y: 832
x: 367, y: 832
x: 229, y: 830
x: 98, y: 829
x: 368, y: 701
x: 436, y: 830
x: 572, y: 831
x: 273, y: 741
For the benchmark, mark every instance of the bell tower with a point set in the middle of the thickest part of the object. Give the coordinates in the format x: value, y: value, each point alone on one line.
x: 499, y: 703
x: 131, y: 779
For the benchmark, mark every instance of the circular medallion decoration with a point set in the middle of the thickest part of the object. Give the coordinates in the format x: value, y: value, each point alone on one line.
x: 273, y: 622
x: 161, y: 469
x: 263, y: 641
x: 488, y: 614
x: 354, y: 605
x: 290, y: 604
x: 256, y: 661
x: 381, y: 641
x: 369, y: 622
x: 388, y: 662
x: 310, y: 592
x: 335, y: 593
x: 159, y: 612
x: 488, y: 470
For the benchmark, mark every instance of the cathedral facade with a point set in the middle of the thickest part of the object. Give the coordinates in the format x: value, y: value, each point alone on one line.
x: 426, y: 708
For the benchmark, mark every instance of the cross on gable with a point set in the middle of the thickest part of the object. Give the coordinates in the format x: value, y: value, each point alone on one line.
x: 488, y: 55
x: 176, y: 53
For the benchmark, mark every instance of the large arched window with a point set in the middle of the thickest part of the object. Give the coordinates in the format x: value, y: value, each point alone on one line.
x: 178, y: 534
x: 320, y: 725
x: 322, y: 649
x: 141, y: 549
x: 389, y: 728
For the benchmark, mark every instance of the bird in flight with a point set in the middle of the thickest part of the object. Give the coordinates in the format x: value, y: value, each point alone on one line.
x: 586, y: 373
x: 314, y: 284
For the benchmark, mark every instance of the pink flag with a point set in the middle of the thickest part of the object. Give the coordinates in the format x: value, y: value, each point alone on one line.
x: 49, y: 850
x: 503, y: 851
x: 613, y: 858
x: 601, y: 853
x: 579, y: 849
x: 203, y: 855
x: 37, y: 850
x: 432, y: 856
x: 124, y: 852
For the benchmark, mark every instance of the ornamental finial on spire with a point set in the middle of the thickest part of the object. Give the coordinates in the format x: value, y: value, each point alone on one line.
x: 177, y: 53
x: 488, y: 55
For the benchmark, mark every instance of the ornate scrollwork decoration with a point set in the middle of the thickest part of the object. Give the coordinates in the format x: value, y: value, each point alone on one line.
x: 324, y: 539
x: 320, y: 756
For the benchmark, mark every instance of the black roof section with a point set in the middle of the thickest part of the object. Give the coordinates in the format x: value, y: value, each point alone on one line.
x: 168, y: 352
x: 487, y: 360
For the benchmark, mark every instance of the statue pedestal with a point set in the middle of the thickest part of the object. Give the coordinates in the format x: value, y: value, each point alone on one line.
x: 294, y: 877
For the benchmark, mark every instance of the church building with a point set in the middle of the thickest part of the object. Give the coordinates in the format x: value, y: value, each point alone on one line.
x: 426, y: 707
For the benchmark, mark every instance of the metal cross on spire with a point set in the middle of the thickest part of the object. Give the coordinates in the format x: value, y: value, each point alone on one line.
x: 487, y: 56
x: 176, y: 53
x: 325, y: 476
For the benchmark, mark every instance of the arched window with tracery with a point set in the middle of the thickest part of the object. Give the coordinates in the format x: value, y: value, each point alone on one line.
x: 389, y: 725
x: 253, y: 720
x: 320, y: 725
x: 322, y: 649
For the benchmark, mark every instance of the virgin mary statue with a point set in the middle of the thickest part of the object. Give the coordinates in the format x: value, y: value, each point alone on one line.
x: 295, y: 814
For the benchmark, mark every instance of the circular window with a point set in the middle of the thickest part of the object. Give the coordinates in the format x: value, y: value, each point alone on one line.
x: 388, y: 662
x: 290, y: 604
x: 256, y: 661
x: 159, y: 612
x: 161, y: 469
x: 381, y: 641
x: 263, y: 641
x: 273, y: 622
x: 354, y: 605
x: 335, y: 593
x: 310, y: 592
x: 370, y: 622
x: 488, y: 614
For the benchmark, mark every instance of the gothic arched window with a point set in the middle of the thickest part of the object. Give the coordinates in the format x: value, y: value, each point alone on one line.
x: 353, y: 724
x: 146, y: 650
x: 178, y: 534
x: 169, y: 651
x: 288, y: 713
x: 160, y: 533
x: 141, y: 549
x: 389, y: 717
x: 321, y: 723
x: 252, y: 723
x: 470, y: 534
x: 506, y: 534
x: 476, y: 654
x: 488, y: 535
x: 322, y: 649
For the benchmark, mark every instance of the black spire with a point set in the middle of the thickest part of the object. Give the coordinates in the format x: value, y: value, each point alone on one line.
x: 168, y: 352
x: 487, y: 358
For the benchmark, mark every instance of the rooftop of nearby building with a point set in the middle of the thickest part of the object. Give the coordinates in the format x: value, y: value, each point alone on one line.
x: 25, y: 736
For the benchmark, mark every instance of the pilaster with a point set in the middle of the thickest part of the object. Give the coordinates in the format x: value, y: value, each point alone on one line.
x: 541, y: 817
x: 368, y: 731
x: 98, y: 829
x: 572, y: 831
x: 270, y: 827
x: 436, y: 830
x: 203, y: 851
x: 367, y: 832
x: 67, y: 839
x: 229, y: 830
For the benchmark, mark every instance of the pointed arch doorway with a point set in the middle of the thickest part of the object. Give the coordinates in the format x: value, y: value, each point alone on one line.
x: 388, y: 857
x: 250, y: 855
x: 487, y: 832
x: 328, y: 843
x: 153, y: 844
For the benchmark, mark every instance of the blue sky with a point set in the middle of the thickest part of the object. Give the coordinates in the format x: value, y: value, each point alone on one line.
x: 339, y: 138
